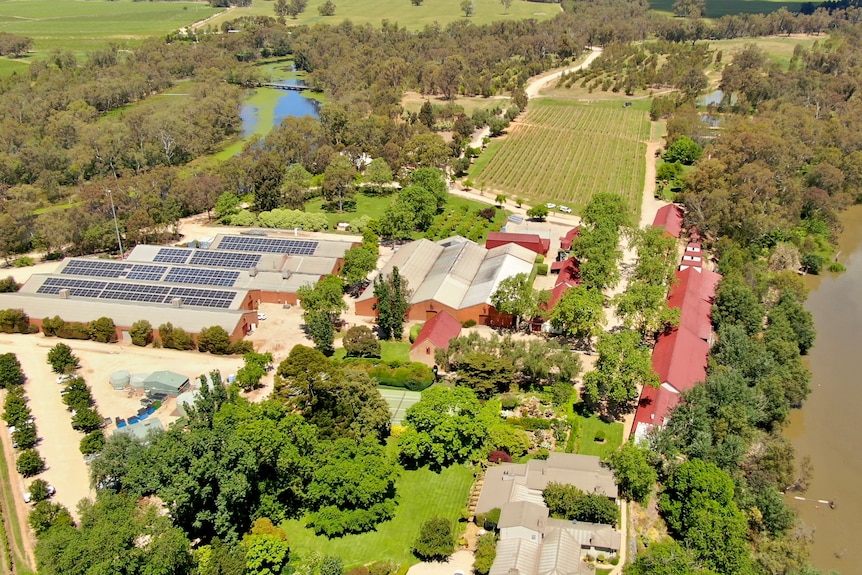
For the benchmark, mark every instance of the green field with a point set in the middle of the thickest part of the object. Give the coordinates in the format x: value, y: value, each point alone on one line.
x: 422, y: 494
x: 402, y: 12
x: 587, y: 427
x: 10, y: 65
x: 718, y: 8
x: 567, y: 151
x: 389, y: 351
x: 779, y: 50
x: 83, y: 25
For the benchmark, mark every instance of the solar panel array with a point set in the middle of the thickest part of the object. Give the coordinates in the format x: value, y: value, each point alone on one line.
x: 268, y: 245
x: 95, y: 289
x: 202, y: 277
x: 225, y: 259
x: 150, y: 272
x: 95, y: 269
x: 173, y: 255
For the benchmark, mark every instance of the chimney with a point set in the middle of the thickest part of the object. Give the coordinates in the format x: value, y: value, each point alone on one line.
x: 286, y: 274
x: 177, y: 302
x: 252, y: 271
x: 64, y: 293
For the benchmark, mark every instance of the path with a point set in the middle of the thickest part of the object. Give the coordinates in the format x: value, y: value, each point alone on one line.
x: 201, y: 23
x: 535, y: 85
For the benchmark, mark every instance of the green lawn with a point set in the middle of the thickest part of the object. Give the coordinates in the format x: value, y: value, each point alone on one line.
x: 10, y: 65
x: 81, y: 26
x: 718, y: 8
x: 422, y: 494
x: 389, y: 351
x: 403, y: 12
x: 587, y: 427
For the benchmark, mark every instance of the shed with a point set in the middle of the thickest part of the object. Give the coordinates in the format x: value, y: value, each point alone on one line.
x: 670, y: 218
x: 137, y: 380
x: 532, y: 242
x: 120, y: 380
x: 435, y: 334
x: 166, y: 382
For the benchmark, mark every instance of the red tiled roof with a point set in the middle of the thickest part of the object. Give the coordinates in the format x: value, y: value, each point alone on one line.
x: 655, y: 405
x: 679, y: 359
x: 439, y: 330
x: 569, y: 277
x: 530, y: 241
x: 566, y: 240
x: 670, y: 218
x: 693, y: 294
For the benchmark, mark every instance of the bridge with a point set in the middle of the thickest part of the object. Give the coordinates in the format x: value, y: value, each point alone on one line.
x: 289, y: 87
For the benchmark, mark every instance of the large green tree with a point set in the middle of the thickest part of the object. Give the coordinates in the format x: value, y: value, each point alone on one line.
x: 569, y: 502
x: 393, y: 296
x: 623, y: 365
x: 11, y: 373
x: 485, y: 374
x: 435, y: 541
x: 580, y: 313
x: 634, y: 474
x: 515, y: 296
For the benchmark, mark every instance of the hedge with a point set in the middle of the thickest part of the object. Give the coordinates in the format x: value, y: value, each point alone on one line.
x: 413, y: 376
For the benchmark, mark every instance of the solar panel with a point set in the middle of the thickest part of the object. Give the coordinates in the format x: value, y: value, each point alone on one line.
x: 224, y: 259
x: 135, y: 292
x: 95, y: 269
x: 202, y: 277
x: 173, y: 255
x: 268, y: 245
x: 146, y: 272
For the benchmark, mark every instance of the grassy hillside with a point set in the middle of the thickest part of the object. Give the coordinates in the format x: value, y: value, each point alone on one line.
x: 718, y: 8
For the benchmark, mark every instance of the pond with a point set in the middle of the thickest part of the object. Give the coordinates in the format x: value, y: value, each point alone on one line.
x: 265, y: 108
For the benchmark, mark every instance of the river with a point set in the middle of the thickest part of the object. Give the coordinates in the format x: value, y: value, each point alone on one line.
x: 827, y: 428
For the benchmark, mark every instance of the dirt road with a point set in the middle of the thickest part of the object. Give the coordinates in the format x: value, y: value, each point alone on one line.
x: 535, y: 85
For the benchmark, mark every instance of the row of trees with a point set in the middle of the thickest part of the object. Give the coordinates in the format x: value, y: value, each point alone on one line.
x: 17, y: 414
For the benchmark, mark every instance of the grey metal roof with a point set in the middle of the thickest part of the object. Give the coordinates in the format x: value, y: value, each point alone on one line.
x: 523, y: 514
x: 560, y: 553
x: 517, y: 554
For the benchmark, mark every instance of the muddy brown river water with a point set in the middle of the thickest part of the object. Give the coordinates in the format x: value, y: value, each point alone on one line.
x: 829, y: 426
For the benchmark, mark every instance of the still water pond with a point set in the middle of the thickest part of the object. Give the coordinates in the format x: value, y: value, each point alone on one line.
x: 265, y: 108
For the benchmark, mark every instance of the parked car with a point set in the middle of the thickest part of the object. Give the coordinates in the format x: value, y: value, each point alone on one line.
x: 261, y: 316
x: 550, y: 206
x: 66, y: 377
x: 28, y: 497
x: 566, y: 209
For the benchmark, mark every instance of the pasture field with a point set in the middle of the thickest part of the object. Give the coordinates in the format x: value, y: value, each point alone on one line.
x: 412, y: 102
x: 403, y: 12
x: 718, y: 8
x: 777, y: 48
x: 84, y: 25
x: 12, y: 65
x: 567, y: 151
x: 422, y: 494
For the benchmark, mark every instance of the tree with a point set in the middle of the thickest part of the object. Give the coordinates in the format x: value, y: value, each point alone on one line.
x: 633, y: 472
x: 426, y: 115
x: 327, y: 8
x: 689, y: 8
x: 141, y: 333
x: 435, y: 541
x: 321, y: 330
x: 24, y: 436
x: 684, y: 150
x: 444, y: 427
x: 378, y: 172
x: 340, y: 173
x: 486, y: 552
x: 416, y: 2
x: 227, y: 205
x: 266, y: 548
x: 569, y: 502
x: 434, y: 181
x: 249, y: 375
x: 215, y: 340
x: 93, y: 442
x: 504, y: 437
x: 500, y: 199
x: 393, y: 296
x: 30, y: 463
x: 359, y: 341
x: 86, y: 420
x: 359, y: 261
x: 14, y: 321
x: 579, y: 313
x: 38, y: 490
x: 103, y: 330
x: 515, y: 296
x: 326, y: 297
x: 467, y: 8
x: 643, y: 307
x: 485, y: 374
x: 737, y: 303
x: 9, y: 285
x: 11, y: 373
x: 76, y: 395
x: 352, y: 487
x: 538, y: 212
x: 46, y: 515
x: 296, y: 7
x: 421, y: 203
x: 331, y: 565
x: 15, y: 410
x: 666, y: 558
x: 61, y: 359
x: 623, y: 365
x: 398, y: 221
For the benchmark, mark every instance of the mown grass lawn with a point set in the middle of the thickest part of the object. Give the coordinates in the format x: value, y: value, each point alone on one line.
x: 422, y: 494
x: 389, y: 351
x: 588, y: 427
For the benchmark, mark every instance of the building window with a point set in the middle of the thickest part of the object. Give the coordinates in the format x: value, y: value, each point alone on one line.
x: 427, y: 351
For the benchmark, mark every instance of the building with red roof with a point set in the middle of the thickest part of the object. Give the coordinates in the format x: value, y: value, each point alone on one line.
x: 566, y: 240
x: 693, y: 294
x: 654, y: 408
x: 533, y: 242
x: 435, y: 334
x: 670, y: 218
x: 569, y: 276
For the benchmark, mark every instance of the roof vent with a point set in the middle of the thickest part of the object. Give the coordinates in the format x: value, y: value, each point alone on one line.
x: 177, y: 302
x: 252, y: 271
x: 286, y: 274
x: 64, y: 293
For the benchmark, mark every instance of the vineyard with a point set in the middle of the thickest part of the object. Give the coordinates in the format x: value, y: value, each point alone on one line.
x: 567, y: 151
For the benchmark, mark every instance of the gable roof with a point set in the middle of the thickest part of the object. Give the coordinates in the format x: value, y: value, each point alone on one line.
x: 692, y: 294
x: 654, y: 406
x: 566, y: 240
x: 670, y: 218
x: 523, y: 514
x: 439, y: 330
x: 533, y: 242
x: 679, y: 358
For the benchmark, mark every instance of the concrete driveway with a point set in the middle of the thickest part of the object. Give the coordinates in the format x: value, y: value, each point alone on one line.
x: 460, y: 561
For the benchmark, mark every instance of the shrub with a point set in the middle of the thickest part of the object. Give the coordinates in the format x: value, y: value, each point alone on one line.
x: 382, y: 568
x: 509, y: 402
x: 361, y: 570
x: 414, y: 332
x: 74, y: 330
x: 492, y: 518
x: 600, y: 436
x: 486, y: 552
x: 499, y: 457
x: 103, y: 330
x: 540, y: 259
x: 14, y: 321
x: 214, y: 340
x: 30, y: 463
x: 175, y: 338
x: 38, y: 490
x: 241, y: 347
x: 141, y: 333
x: 23, y: 262
x: 542, y: 454
x: 837, y: 267
x: 530, y: 423
x: 359, y: 341
x: 488, y: 213
x: 412, y: 375
x: 813, y: 263
x: 9, y: 284
x: 542, y: 269
x: 11, y: 373
x: 468, y: 323
x: 52, y: 325
x: 61, y: 359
